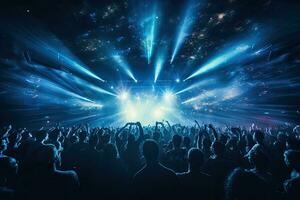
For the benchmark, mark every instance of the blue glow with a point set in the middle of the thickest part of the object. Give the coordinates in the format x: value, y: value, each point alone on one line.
x: 184, y: 30
x: 223, y: 58
x: 124, y: 65
x: 158, y: 66
x: 51, y: 48
x: 68, y: 80
x: 149, y: 29
x: 196, y: 85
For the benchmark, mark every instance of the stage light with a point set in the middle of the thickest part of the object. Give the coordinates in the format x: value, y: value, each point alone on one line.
x: 124, y: 95
x: 224, y: 58
x: 124, y: 65
x: 177, y: 80
x: 169, y: 96
x: 183, y: 30
x: 148, y: 108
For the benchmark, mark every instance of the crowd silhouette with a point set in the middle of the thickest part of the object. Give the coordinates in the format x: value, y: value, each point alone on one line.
x: 150, y: 162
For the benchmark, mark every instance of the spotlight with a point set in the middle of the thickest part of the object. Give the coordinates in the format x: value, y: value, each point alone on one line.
x: 124, y: 96
x: 177, y: 80
x: 168, y: 96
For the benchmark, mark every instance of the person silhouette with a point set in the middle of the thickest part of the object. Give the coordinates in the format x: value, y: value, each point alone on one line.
x: 8, y: 174
x: 154, y: 181
x: 46, y: 182
x: 292, y: 185
x: 195, y: 183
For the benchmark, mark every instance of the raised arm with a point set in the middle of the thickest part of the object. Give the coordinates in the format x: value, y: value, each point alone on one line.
x: 198, y: 124
x: 121, y: 130
x: 170, y: 127
x: 215, y: 134
x: 141, y: 132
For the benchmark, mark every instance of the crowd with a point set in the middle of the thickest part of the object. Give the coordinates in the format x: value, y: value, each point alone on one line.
x: 150, y: 162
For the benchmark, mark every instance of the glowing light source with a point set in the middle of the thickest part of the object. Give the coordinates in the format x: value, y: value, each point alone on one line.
x: 146, y: 107
x: 183, y: 30
x: 169, y: 96
x: 124, y: 95
x: 177, y: 80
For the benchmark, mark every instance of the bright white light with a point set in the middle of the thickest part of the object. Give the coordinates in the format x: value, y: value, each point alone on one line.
x: 158, y: 114
x: 124, y: 96
x: 177, y: 80
x: 168, y: 96
x: 131, y: 114
x: 147, y: 107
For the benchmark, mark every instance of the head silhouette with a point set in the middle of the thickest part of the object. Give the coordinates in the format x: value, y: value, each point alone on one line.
x: 237, y: 186
x: 8, y: 170
x: 195, y: 159
x: 206, y: 143
x: 54, y: 135
x: 93, y: 140
x: 281, y: 137
x: 258, y: 136
x: 3, y: 144
x: 218, y: 148
x: 156, y: 135
x: 187, y: 141
x: 150, y: 150
x: 40, y: 135
x: 292, y: 159
x: 82, y: 136
x: 176, y: 140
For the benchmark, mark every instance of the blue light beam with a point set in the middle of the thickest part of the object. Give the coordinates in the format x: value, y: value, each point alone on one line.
x: 222, y: 59
x: 158, y: 66
x: 149, y: 28
x: 47, y: 45
x: 124, y: 65
x: 197, y: 85
x: 184, y: 30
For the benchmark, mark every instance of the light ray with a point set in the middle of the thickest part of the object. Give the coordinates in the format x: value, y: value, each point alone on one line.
x: 184, y: 30
x: 124, y: 65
